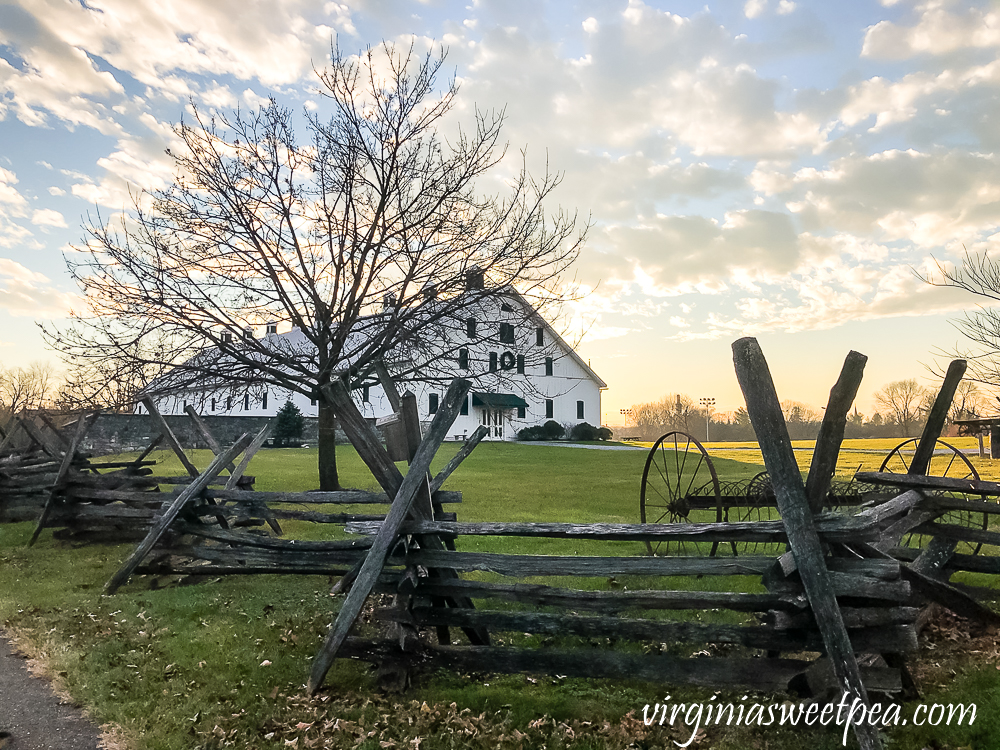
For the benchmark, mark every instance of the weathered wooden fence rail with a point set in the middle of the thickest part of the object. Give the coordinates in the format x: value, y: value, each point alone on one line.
x: 845, y: 586
x: 877, y: 619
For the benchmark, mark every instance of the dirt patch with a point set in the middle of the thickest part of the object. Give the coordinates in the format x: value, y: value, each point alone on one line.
x: 948, y: 643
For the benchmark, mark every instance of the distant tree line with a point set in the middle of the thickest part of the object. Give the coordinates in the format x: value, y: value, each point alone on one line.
x: 902, y: 409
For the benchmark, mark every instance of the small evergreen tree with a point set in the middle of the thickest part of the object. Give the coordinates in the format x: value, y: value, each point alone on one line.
x: 288, y: 425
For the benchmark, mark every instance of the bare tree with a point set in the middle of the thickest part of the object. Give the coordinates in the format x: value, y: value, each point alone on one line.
x: 111, y: 382
x: 902, y: 400
x: 970, y: 401
x: 979, y: 275
x: 672, y: 412
x: 363, y: 239
x: 26, y: 388
x: 803, y: 421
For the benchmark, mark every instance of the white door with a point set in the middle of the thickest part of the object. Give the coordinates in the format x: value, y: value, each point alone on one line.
x: 493, y: 419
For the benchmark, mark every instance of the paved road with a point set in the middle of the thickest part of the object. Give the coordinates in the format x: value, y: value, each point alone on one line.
x: 32, y: 716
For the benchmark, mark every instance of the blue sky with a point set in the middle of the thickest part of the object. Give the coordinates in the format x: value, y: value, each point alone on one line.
x: 774, y: 168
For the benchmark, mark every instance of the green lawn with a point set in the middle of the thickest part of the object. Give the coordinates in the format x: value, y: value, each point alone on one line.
x: 222, y: 664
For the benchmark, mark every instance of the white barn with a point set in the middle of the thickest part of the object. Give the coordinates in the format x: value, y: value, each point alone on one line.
x: 523, y: 373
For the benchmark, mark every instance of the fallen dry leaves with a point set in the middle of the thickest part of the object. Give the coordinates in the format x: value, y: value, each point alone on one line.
x: 320, y: 722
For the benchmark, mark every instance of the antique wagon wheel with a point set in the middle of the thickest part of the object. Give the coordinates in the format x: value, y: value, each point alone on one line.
x: 757, y: 503
x: 679, y: 485
x: 952, y: 463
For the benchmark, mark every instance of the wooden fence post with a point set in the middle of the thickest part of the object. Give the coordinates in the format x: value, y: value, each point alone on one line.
x: 168, y: 435
x: 169, y: 514
x: 831, y: 432
x: 206, y: 434
x: 937, y: 417
x: 415, y: 478
x: 772, y: 435
x: 82, y: 426
x: 939, y: 549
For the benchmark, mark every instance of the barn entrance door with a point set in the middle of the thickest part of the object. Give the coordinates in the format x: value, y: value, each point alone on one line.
x: 494, y: 420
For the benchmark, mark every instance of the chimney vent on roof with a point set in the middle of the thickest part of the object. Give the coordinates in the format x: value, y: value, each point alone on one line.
x: 226, y: 338
x: 388, y: 301
x: 474, y: 279
x: 248, y: 334
x: 272, y: 328
x: 430, y: 292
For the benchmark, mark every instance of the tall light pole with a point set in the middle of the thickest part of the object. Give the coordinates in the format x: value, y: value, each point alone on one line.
x: 626, y: 413
x: 709, y: 404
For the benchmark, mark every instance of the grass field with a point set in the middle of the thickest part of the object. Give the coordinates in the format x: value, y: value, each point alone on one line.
x: 222, y: 664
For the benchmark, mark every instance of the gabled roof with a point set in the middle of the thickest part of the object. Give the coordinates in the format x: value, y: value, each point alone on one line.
x: 295, y: 341
x: 558, y: 339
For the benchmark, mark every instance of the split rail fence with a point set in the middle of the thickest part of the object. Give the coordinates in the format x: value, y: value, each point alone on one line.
x: 836, y: 612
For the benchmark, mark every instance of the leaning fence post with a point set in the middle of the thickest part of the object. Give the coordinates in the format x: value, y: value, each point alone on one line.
x: 939, y: 550
x: 170, y: 513
x: 831, y: 432
x: 937, y: 417
x: 85, y: 423
x: 415, y: 480
x: 776, y: 446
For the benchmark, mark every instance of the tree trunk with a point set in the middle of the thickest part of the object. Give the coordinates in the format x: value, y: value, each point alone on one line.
x: 329, y: 480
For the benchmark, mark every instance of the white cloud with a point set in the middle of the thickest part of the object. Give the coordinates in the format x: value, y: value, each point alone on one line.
x: 65, y: 45
x: 26, y: 293
x: 651, y: 82
x: 926, y: 94
x: 927, y: 199
x: 47, y: 217
x: 938, y: 31
x: 15, y: 271
x: 754, y: 8
x: 706, y: 171
x: 9, y: 196
x: 14, y: 235
x: 254, y: 99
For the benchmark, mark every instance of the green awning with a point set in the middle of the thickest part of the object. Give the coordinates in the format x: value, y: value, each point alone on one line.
x: 498, y: 400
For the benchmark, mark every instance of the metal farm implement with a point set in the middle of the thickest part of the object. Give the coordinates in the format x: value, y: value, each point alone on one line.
x: 680, y: 484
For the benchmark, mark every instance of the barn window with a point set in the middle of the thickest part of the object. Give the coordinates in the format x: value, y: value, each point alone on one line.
x: 579, y: 409
x: 470, y: 328
x: 548, y: 365
x: 549, y: 408
x: 432, y: 405
x: 539, y: 337
x: 463, y: 359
